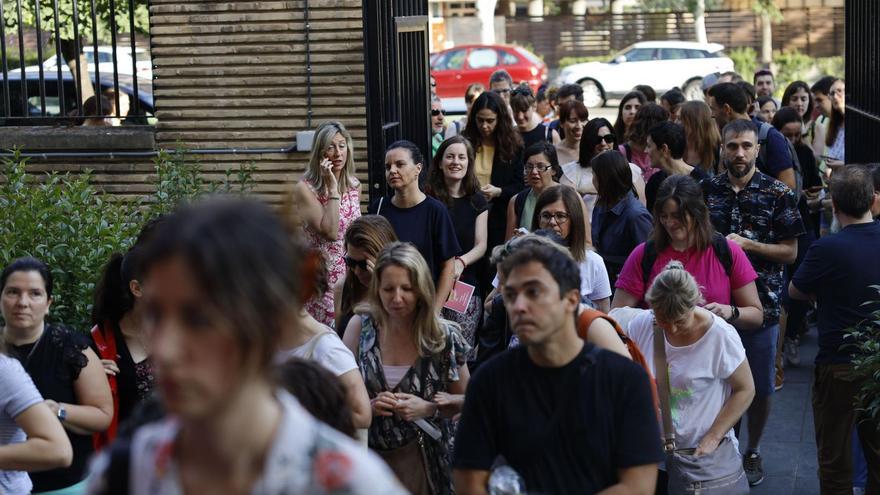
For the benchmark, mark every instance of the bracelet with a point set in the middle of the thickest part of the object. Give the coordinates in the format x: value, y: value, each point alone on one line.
x: 459, y: 258
x: 333, y: 197
x: 734, y: 314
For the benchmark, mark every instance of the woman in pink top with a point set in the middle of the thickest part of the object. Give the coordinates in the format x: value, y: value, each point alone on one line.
x: 682, y: 231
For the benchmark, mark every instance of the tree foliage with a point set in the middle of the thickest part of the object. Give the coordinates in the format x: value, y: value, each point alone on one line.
x: 675, y: 5
x: 105, y: 11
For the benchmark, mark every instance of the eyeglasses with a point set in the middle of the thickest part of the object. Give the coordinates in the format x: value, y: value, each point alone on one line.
x: 560, y: 217
x: 435, y: 112
x: 609, y: 138
x: 540, y: 167
x: 353, y: 263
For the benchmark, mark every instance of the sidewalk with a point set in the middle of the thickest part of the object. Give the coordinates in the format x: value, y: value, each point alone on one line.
x: 789, y: 445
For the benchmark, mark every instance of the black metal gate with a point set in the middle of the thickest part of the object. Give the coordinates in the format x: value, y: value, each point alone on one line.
x: 862, y: 68
x: 398, y: 91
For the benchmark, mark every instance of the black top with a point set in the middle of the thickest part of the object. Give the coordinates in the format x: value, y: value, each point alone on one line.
x: 132, y: 387
x: 654, y: 182
x: 564, y: 430
x: 54, y: 363
x: 539, y: 133
x: 839, y: 270
x: 464, y: 213
x: 427, y: 225
x: 508, y: 175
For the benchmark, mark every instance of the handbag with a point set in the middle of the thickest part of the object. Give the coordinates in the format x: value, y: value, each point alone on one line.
x: 718, y: 473
x: 106, y: 345
x: 410, y: 464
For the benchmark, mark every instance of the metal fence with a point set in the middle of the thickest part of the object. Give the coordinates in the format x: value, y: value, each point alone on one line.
x: 815, y: 31
x: 862, y: 68
x: 84, y: 81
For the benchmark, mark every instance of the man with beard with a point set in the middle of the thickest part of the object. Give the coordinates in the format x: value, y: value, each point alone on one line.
x: 760, y: 214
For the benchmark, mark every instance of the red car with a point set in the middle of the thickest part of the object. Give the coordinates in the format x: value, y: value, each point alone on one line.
x: 456, y: 68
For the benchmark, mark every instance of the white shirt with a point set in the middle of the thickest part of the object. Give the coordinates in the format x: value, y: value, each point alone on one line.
x: 594, y: 277
x: 326, y: 349
x: 698, y: 375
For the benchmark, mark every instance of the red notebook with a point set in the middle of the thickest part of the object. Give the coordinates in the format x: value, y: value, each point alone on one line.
x: 459, y: 297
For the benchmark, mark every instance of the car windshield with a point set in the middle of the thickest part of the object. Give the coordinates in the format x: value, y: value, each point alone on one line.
x: 531, y: 57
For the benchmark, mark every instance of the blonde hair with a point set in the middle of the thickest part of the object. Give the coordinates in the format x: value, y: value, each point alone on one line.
x: 674, y: 292
x: 323, y: 138
x: 427, y: 327
x: 701, y: 132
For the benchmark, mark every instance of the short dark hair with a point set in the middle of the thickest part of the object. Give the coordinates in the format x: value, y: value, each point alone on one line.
x: 785, y: 116
x: 762, y: 72
x: 823, y: 85
x: 28, y: 264
x: 672, y: 135
x: 674, y: 97
x: 544, y: 148
x: 875, y: 174
x: 501, y: 75
x: 762, y: 100
x: 570, y: 90
x: 414, y: 151
x: 318, y: 391
x: 613, y: 177
x: 563, y: 269
x: 748, y: 89
x: 852, y: 190
x: 573, y: 107
x: 729, y: 94
x: 737, y: 127
x: 648, y: 91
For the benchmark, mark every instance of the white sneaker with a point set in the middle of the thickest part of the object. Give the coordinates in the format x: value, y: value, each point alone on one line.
x: 791, y: 352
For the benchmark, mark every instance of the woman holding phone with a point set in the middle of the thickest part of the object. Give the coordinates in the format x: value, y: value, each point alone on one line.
x: 328, y: 200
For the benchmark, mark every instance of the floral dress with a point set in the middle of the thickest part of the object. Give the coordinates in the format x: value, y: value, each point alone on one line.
x: 425, y: 378
x: 349, y: 210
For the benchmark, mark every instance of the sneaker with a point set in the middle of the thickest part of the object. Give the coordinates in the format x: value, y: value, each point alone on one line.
x: 791, y: 352
x: 754, y: 470
x: 780, y: 379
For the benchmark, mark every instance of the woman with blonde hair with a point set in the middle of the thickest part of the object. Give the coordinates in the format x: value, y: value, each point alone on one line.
x: 328, y: 200
x: 365, y: 238
x: 701, y: 135
x: 707, y: 372
x: 413, y: 364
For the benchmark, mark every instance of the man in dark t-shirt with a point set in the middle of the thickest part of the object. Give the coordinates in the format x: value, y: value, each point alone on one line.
x: 567, y: 416
x: 839, y: 271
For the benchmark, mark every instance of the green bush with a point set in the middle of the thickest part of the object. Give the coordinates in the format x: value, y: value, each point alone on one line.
x: 831, y: 66
x: 73, y: 227
x: 566, y: 61
x: 791, y: 65
x: 865, y: 344
x: 745, y: 60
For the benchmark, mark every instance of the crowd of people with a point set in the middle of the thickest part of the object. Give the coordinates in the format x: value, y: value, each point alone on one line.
x: 541, y: 305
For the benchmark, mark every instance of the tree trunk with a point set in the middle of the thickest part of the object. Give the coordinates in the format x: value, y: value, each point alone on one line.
x: 766, y: 39
x: 700, y: 22
x: 486, y: 15
x: 579, y: 7
x: 68, y: 50
x: 536, y: 8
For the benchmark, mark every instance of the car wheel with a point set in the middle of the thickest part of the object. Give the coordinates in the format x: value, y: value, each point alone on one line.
x: 693, y: 90
x: 593, y: 96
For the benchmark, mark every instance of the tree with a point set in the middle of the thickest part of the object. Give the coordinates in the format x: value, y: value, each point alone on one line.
x: 696, y: 7
x: 111, y: 15
x: 770, y: 14
x: 486, y: 15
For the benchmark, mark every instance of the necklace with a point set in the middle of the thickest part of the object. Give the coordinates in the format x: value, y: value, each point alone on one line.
x: 36, y: 343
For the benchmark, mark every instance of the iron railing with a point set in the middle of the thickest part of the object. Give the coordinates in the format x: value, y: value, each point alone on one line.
x: 50, y: 92
x: 862, y: 67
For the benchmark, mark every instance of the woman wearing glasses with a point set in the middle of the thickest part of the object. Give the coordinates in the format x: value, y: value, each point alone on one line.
x: 598, y: 136
x: 560, y: 209
x: 328, y: 200
x: 541, y: 171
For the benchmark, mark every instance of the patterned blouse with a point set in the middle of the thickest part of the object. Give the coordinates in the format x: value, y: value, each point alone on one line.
x: 349, y: 210
x: 425, y: 378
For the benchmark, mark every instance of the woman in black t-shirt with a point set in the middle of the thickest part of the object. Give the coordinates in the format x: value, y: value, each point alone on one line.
x: 452, y: 181
x: 529, y: 125
x: 64, y: 369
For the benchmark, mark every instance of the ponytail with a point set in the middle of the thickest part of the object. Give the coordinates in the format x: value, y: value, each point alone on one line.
x: 112, y: 296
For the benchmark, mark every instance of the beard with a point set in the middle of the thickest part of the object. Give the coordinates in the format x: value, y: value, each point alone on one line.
x: 736, y: 172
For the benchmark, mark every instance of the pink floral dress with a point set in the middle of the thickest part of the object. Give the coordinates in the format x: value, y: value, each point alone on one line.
x: 349, y: 209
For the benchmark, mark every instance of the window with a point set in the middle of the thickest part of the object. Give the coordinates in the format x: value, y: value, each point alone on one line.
x: 482, y: 58
x: 451, y: 60
x: 673, y: 54
x: 640, y: 54
x: 508, y: 58
x: 696, y: 54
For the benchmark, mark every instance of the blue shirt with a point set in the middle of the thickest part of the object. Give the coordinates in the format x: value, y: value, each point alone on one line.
x: 618, y: 230
x: 839, y: 270
x: 766, y: 211
x: 778, y: 153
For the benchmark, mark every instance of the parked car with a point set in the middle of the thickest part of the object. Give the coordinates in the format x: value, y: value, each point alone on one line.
x: 456, y: 68
x: 32, y: 109
x: 662, y: 64
x: 142, y: 64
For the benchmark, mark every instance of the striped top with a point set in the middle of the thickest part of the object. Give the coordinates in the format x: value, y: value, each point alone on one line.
x: 17, y: 394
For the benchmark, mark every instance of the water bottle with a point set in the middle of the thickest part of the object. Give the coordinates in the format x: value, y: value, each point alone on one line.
x: 506, y: 481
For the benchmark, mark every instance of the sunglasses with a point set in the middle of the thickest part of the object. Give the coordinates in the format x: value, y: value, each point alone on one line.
x: 353, y: 263
x: 435, y: 113
x: 609, y: 138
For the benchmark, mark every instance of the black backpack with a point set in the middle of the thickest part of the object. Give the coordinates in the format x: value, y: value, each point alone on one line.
x: 719, y: 245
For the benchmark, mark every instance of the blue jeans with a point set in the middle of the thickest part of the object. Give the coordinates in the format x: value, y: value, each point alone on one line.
x: 760, y: 348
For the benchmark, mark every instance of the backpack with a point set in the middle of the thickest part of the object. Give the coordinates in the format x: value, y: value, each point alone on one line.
x: 719, y: 245
x: 586, y: 318
x: 764, y: 140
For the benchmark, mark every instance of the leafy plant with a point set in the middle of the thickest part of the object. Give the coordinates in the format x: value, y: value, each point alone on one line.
x: 864, y: 342
x: 73, y: 227
x: 745, y: 60
x: 791, y: 65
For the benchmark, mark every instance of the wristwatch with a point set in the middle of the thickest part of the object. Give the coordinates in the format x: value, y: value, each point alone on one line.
x: 733, y: 315
x: 62, y: 413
